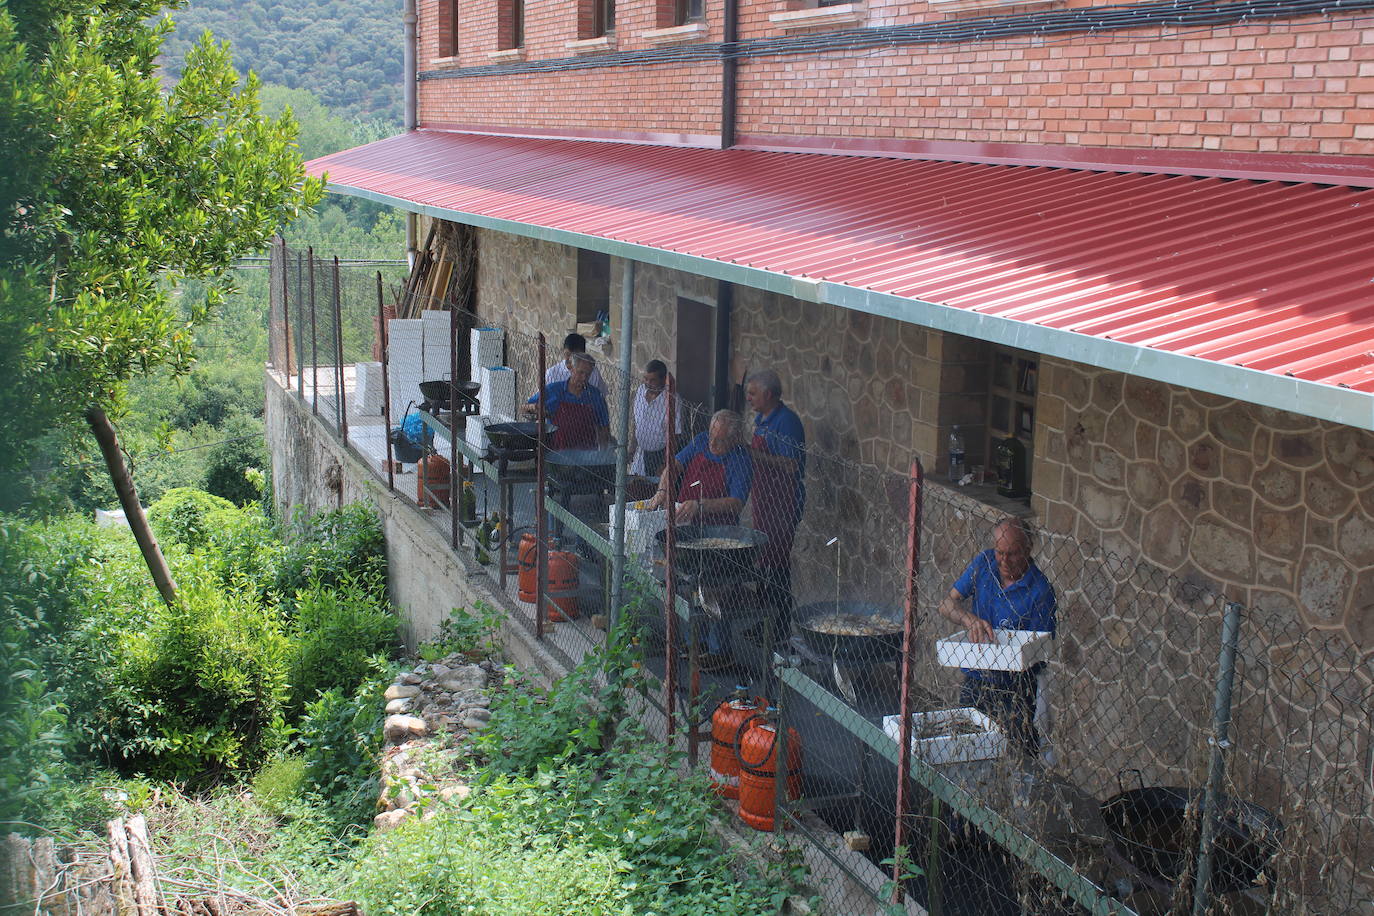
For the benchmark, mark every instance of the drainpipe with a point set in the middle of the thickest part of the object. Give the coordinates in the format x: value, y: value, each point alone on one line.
x: 408, y: 19
x: 725, y: 303
x: 622, y: 449
x: 729, y: 68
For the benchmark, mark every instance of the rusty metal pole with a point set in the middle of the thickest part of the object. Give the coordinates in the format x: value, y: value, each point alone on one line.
x: 455, y: 493
x: 314, y: 337
x: 669, y: 555
x: 300, y: 328
x: 541, y: 514
x: 913, y: 567
x: 386, y: 387
x: 286, y: 311
x: 342, y: 411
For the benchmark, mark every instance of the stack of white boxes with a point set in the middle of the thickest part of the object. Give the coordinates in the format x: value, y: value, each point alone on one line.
x: 497, y: 397
x: 367, y: 390
x: 475, y: 432
x: 405, y: 363
x: 487, y: 348
x: 641, y: 528
x: 438, y: 351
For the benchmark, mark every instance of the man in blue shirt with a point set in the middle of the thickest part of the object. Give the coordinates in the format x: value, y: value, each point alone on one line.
x: 779, y: 493
x: 1002, y: 588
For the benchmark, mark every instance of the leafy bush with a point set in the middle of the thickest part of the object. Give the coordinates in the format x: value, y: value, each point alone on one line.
x: 279, y: 785
x: 242, y: 547
x: 331, y: 547
x: 341, y: 740
x: 229, y: 466
x: 336, y: 632
x: 463, y: 632
x: 180, y: 515
x: 199, y: 693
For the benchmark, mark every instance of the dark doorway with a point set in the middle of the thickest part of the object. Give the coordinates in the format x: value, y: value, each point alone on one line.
x: 694, y: 360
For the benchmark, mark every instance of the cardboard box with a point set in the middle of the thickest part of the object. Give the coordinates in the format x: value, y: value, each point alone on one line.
x: 986, y: 743
x: 497, y: 397
x: 487, y: 348
x: 1014, y: 650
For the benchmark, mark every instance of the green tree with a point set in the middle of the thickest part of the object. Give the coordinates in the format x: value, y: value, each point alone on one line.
x: 115, y: 191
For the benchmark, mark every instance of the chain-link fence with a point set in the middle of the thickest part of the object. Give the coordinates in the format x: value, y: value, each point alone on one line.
x: 1097, y: 755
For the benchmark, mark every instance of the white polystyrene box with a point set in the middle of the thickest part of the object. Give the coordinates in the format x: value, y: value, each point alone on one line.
x: 641, y: 525
x: 109, y: 518
x: 497, y: 397
x: 405, y: 329
x: 1013, y: 650
x: 487, y: 348
x: 475, y: 434
x: 987, y: 743
x: 438, y: 362
x: 367, y: 389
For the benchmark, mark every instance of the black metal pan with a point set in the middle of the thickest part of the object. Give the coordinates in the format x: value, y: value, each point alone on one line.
x: 855, y: 646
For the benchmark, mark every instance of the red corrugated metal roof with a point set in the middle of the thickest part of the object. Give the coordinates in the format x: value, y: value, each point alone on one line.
x: 1267, y: 275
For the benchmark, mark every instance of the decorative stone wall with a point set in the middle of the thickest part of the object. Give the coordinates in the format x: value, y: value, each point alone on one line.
x: 1273, y: 509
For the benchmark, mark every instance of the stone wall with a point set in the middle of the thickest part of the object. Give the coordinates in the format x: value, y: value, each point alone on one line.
x: 1274, y: 509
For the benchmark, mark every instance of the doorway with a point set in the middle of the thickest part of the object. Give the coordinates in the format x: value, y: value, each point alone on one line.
x: 695, y: 361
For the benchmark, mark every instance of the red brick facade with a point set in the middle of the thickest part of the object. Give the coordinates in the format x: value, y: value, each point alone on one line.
x: 1301, y: 86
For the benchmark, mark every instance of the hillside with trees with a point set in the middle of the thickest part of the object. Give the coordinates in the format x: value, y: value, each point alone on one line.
x: 347, y: 54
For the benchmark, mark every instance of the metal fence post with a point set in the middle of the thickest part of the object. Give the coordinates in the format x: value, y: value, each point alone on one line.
x: 622, y: 450
x: 285, y: 312
x: 669, y: 555
x: 1221, y: 725
x: 314, y: 337
x: 300, y: 329
x: 455, y: 495
x: 340, y: 409
x: 913, y: 568
x: 386, y: 387
x: 541, y: 513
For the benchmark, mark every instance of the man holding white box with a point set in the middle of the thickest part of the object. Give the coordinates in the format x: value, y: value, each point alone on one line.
x: 1002, y: 588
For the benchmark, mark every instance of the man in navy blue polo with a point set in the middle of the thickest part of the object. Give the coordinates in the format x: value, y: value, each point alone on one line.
x: 1003, y: 589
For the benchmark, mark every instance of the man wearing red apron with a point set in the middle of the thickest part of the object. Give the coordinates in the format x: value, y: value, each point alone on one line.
x: 716, y: 475
x: 576, y: 408
x: 779, y: 491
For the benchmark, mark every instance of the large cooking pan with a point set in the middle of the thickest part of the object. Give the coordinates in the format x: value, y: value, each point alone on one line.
x: 519, y: 435
x: 851, y: 646
x: 1156, y: 829
x: 437, y: 393
x: 721, y: 559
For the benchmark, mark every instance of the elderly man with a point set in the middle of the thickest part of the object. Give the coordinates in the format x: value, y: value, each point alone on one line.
x: 779, y: 452
x: 1002, y: 588
x: 651, y: 420
x: 573, y: 344
x: 715, y: 475
x: 575, y: 407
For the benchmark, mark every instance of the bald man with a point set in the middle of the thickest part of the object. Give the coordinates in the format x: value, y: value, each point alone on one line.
x: 1002, y: 588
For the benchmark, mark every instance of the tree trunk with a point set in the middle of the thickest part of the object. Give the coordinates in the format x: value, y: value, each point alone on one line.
x: 128, y: 498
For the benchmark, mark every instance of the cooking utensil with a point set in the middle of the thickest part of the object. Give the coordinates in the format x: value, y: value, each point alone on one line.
x: 582, y: 470
x: 522, y: 434
x: 1156, y: 829
x: 856, y: 646
x: 437, y: 392
x: 715, y: 558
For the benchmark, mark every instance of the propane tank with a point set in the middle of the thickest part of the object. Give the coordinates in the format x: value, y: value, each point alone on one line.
x: 756, y: 748
x: 725, y: 725
x: 432, y: 475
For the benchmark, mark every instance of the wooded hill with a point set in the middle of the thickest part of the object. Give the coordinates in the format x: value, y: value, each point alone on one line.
x: 347, y: 53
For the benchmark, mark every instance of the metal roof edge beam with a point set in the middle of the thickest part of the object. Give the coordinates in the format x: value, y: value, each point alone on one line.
x: 1300, y: 396
x: 783, y: 284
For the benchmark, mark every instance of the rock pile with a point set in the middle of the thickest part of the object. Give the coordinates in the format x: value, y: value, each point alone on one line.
x: 431, y: 711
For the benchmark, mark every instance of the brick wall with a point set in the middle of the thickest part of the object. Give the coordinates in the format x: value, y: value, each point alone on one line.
x: 1299, y: 86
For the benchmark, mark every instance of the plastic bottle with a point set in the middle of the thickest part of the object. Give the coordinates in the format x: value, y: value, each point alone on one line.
x: 956, y: 456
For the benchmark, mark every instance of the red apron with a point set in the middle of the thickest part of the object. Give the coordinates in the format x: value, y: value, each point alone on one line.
x: 711, y: 475
x: 774, y: 497
x: 576, y: 426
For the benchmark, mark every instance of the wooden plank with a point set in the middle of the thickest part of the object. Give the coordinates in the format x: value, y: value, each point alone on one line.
x: 142, y: 867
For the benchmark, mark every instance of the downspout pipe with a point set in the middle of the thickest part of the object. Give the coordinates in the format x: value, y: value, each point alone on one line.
x: 729, y: 69
x: 622, y: 448
x: 410, y: 68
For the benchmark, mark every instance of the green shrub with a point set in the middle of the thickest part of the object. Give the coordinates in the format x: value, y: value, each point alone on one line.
x: 336, y: 631
x: 332, y: 546
x: 341, y: 740
x: 242, y: 546
x: 280, y: 784
x: 230, y: 463
x: 179, y: 517
x: 199, y: 693
x: 471, y: 633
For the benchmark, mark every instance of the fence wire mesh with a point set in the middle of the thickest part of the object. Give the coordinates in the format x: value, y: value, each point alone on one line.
x: 1074, y: 784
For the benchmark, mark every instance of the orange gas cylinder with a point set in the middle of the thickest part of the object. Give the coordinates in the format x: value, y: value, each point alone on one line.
x: 527, y: 558
x: 432, y: 474
x: 757, y: 752
x: 725, y: 726
x: 562, y: 578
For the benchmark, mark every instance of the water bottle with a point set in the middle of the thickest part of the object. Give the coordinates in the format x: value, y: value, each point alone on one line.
x: 956, y: 456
